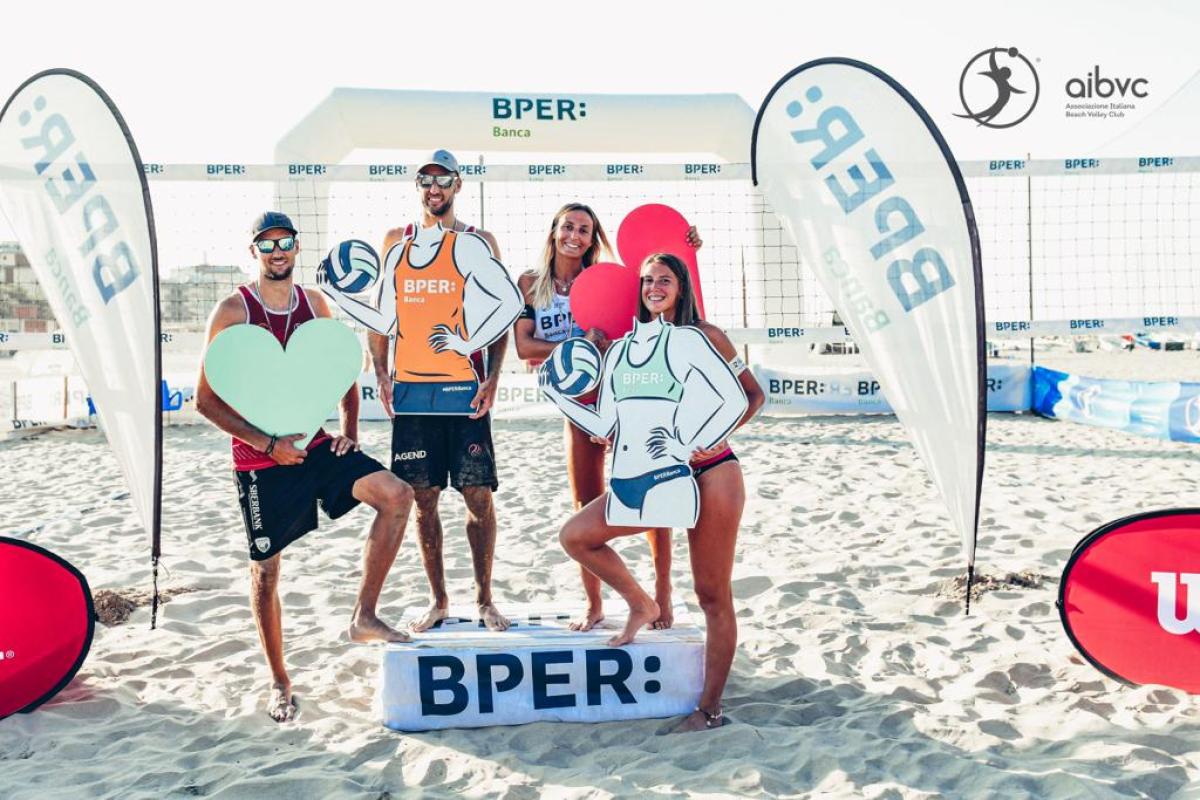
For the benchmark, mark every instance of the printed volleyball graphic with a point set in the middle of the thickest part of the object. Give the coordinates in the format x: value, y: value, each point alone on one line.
x: 573, y: 367
x: 351, y: 266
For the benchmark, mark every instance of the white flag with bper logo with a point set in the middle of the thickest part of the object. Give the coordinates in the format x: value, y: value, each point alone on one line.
x: 870, y: 194
x: 72, y: 188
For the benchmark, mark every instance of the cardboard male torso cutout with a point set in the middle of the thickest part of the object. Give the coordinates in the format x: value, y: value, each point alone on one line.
x: 664, y: 393
x: 449, y: 297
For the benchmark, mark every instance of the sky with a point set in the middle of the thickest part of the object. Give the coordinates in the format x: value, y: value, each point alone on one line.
x: 216, y: 82
x: 222, y: 82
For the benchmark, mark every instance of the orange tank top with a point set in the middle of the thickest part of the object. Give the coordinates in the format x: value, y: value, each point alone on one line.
x: 428, y: 296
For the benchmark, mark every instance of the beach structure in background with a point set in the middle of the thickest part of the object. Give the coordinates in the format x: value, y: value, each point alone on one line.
x: 1076, y: 256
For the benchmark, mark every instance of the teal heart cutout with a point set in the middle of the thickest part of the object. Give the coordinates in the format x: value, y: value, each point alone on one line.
x: 280, y: 391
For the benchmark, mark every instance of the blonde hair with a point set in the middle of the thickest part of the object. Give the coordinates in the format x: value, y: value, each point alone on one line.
x: 542, y: 290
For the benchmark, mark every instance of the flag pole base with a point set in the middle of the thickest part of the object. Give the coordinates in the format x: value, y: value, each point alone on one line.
x: 970, y: 581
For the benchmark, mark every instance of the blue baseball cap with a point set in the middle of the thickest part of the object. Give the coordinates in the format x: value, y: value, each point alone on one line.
x: 271, y: 219
x: 444, y: 159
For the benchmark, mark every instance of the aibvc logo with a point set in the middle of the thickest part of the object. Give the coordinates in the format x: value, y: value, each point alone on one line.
x: 998, y: 88
x: 1168, y: 617
x: 1096, y: 96
x: 1095, y: 86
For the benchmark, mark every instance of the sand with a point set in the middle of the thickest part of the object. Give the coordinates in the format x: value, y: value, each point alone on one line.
x: 857, y: 673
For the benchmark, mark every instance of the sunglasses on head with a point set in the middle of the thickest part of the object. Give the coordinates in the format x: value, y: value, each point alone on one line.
x: 285, y: 244
x: 443, y: 181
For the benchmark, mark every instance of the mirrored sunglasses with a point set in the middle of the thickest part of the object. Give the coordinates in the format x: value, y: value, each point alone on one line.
x: 443, y: 181
x: 285, y: 244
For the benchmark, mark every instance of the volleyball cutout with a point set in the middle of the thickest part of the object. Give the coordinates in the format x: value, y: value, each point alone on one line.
x: 573, y: 367
x: 352, y: 266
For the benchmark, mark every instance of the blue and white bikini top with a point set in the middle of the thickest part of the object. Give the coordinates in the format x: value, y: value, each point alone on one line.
x: 554, y: 323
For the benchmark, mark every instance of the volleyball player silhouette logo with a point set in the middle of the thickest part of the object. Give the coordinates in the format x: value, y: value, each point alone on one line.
x: 999, y: 88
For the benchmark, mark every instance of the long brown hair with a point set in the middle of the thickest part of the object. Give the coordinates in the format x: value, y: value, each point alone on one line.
x: 687, y: 312
x: 542, y: 290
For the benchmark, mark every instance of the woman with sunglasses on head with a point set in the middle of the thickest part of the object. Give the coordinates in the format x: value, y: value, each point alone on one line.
x: 666, y: 295
x: 574, y: 243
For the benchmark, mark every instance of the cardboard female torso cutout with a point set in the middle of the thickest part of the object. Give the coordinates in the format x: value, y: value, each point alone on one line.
x: 665, y: 392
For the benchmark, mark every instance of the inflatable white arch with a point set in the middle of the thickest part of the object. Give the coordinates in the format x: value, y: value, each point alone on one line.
x: 380, y: 119
x: 350, y: 119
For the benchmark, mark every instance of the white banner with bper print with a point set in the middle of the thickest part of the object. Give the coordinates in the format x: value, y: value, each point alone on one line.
x: 846, y: 391
x: 460, y: 675
x: 806, y: 390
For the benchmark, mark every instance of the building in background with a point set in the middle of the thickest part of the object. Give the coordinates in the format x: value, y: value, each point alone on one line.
x: 186, y: 296
x: 23, y: 307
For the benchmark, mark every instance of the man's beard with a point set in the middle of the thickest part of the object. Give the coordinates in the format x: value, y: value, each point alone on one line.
x: 272, y: 276
x: 440, y: 211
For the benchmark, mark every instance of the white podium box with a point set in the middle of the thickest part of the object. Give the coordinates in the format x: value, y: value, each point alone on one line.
x: 461, y: 675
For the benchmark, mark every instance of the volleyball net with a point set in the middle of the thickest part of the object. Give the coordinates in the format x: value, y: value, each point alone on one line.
x: 1077, y: 247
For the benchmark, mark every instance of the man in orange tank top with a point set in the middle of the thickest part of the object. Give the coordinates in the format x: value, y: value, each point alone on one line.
x: 280, y: 486
x: 433, y: 451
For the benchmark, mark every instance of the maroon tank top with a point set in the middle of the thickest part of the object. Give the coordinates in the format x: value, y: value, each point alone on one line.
x: 246, y: 457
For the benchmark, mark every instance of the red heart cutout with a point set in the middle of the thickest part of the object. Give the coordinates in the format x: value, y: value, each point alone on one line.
x: 656, y: 228
x: 605, y: 296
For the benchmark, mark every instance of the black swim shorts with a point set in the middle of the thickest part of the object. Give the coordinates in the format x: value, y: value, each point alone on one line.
x: 279, y: 504
x: 426, y: 450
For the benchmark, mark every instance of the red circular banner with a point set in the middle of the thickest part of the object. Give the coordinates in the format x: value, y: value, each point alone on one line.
x: 46, y: 624
x: 1130, y: 598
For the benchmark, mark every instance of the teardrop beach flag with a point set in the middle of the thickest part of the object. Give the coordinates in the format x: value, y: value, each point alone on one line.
x: 870, y: 194
x: 73, y: 190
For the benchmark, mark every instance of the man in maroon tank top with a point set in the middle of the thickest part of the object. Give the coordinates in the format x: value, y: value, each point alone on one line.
x: 279, y: 486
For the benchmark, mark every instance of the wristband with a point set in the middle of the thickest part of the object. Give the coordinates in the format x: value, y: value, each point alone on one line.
x: 270, y: 445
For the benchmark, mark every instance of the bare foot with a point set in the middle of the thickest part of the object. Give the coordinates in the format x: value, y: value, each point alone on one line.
x: 369, y: 628
x: 492, y: 618
x: 591, y: 619
x: 666, y: 614
x: 282, y: 705
x: 639, y: 615
x: 698, y: 721
x: 432, y: 617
